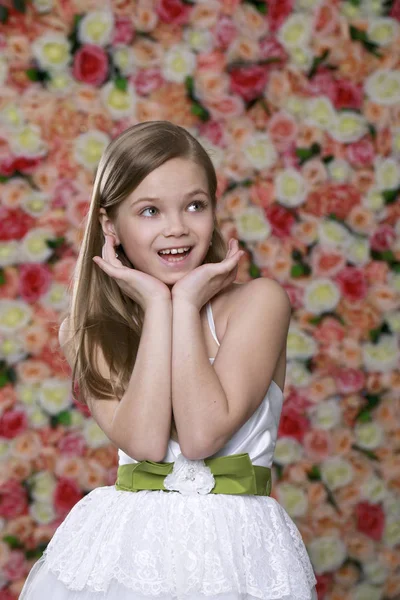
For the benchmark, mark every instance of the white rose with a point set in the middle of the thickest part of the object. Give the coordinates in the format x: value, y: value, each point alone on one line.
x: 12, y: 117
x: 178, y: 62
x: 333, y: 234
x: 320, y: 112
x: 96, y: 27
x: 293, y: 499
x: 38, y: 419
x: 291, y: 187
x: 387, y: 174
x: 34, y: 247
x: 382, y: 356
x: 297, y: 373
x: 287, y: 451
x: 307, y: 5
x: 190, y: 477
x: 28, y: 394
x: 373, y: 199
x: 375, y: 571
x: 12, y: 349
x: 358, y: 252
x: 301, y: 57
x: 56, y: 297
x: 327, y: 415
x: 27, y: 142
x: 252, y: 225
x: 35, y: 203
x: 93, y: 434
x: 4, y: 450
x: 383, y: 30
x: 124, y: 59
x: 119, y: 103
x: 365, y: 591
x: 61, y: 83
x: 42, y: 512
x: 339, y: 170
x: 383, y: 87
x: 391, y: 534
x: 77, y: 419
x: 52, y: 51
x: 348, y: 127
x: 43, y: 6
x: 296, y: 31
x: 55, y: 395
x: 3, y: 68
x: 336, y: 472
x: 300, y: 345
x: 199, y: 40
x: 260, y: 151
x: 369, y: 435
x: 321, y: 295
x: 373, y: 489
x: 14, y: 315
x: 9, y: 253
x: 327, y: 553
x: 394, y: 281
x: 396, y: 141
x: 296, y: 106
x: 42, y: 485
x: 392, y: 318
x: 89, y: 147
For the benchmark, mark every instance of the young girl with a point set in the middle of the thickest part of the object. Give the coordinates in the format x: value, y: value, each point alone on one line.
x: 190, y: 515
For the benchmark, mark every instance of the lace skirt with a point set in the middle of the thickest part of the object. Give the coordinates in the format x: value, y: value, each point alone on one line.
x: 133, y: 546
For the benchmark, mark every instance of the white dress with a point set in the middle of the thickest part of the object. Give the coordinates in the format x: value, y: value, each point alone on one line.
x: 155, y: 544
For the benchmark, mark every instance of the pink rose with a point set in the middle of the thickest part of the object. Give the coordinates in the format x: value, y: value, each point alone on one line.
x: 282, y: 129
x: 326, y: 262
x: 370, y: 519
x: 270, y: 47
x: 318, y: 444
x: 383, y: 238
x: 278, y: 11
x: 349, y: 381
x: 173, y: 12
x: 360, y: 153
x: 13, y: 499
x: 249, y: 82
x: 353, y: 283
x: 348, y: 94
x: 323, y: 83
x: 123, y: 31
x: 225, y: 31
x: 12, y: 423
x: 14, y: 223
x: 214, y: 132
x: 66, y: 495
x: 146, y: 81
x: 72, y: 444
x: 296, y: 295
x: 227, y: 107
x: 90, y: 65
x: 16, y: 566
x: 35, y: 280
x: 281, y: 219
x: 332, y: 198
x: 329, y: 331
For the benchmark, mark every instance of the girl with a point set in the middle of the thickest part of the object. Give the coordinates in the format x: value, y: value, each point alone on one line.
x: 190, y: 514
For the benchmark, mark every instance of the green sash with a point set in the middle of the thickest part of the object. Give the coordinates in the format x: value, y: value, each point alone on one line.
x: 233, y: 474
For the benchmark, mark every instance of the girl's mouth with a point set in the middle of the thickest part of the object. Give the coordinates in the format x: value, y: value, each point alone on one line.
x: 175, y: 260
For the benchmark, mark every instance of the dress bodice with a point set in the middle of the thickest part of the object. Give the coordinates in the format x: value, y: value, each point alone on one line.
x: 257, y: 436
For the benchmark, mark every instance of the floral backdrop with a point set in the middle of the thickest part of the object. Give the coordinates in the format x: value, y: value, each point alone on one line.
x: 298, y: 103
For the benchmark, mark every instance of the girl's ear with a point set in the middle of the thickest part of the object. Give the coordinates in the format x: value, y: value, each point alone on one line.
x: 108, y: 226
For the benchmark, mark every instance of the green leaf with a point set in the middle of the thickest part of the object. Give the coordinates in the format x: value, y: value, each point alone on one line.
x: 314, y: 474
x: 4, y: 380
x: 262, y: 7
x: 316, y: 62
x: 64, y: 418
x: 372, y: 130
x: 199, y: 110
x: 189, y: 84
x: 279, y: 470
x: 12, y: 541
x: 121, y: 83
x: 32, y: 74
x: 254, y: 271
x: 2, y: 277
x: 359, y: 35
x: 368, y: 453
x: 315, y: 320
x: 327, y: 159
x: 56, y: 243
x: 19, y: 5
x: 390, y: 196
x: 3, y: 14
x: 364, y: 416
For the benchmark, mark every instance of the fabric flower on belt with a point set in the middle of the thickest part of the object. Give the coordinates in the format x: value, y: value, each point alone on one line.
x: 190, y: 477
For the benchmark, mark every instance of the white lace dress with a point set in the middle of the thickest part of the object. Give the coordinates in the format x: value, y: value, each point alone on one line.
x: 154, y: 544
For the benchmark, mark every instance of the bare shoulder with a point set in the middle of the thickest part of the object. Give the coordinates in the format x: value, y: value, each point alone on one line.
x: 65, y: 335
x: 267, y: 292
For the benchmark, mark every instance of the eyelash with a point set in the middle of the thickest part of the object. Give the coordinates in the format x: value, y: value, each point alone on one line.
x: 201, y: 203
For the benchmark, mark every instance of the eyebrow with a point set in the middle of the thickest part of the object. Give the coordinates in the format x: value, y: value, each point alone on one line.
x: 155, y: 199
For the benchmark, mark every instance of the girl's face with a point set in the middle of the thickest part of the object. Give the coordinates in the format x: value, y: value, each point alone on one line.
x: 171, y: 208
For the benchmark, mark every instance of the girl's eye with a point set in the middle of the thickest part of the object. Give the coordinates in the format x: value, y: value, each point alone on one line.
x: 201, y: 204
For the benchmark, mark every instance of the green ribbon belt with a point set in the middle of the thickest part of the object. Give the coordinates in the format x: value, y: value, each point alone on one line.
x: 233, y: 474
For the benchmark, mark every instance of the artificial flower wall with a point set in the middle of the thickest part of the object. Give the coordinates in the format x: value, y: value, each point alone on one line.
x: 298, y: 103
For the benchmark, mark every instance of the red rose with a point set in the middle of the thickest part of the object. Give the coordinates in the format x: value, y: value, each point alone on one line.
x: 332, y: 198
x: 348, y: 94
x: 72, y: 444
x: 16, y: 565
x: 123, y: 31
x: 147, y: 80
x: 225, y: 32
x: 270, y: 47
x: 12, y: 423
x: 14, y: 223
x: 370, y: 519
x: 349, y: 381
x: 10, y: 164
x: 13, y: 499
x: 395, y: 10
x: 249, y: 82
x: 383, y: 238
x: 173, y: 12
x: 213, y: 131
x: 292, y: 423
x: 66, y: 495
x: 322, y: 83
x: 353, y: 283
x: 360, y: 153
x: 35, y: 280
x: 281, y: 220
x: 90, y: 65
x: 277, y: 12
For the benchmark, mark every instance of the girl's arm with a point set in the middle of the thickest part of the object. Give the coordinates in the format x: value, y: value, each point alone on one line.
x: 140, y: 423
x: 211, y: 402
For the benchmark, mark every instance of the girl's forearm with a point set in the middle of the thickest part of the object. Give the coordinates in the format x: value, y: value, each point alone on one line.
x: 197, y: 395
x: 145, y: 409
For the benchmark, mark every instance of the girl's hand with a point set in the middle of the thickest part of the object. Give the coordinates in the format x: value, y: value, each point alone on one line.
x: 139, y: 286
x: 201, y: 284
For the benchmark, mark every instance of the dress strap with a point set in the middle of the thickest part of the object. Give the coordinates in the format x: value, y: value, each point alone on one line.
x: 211, y: 322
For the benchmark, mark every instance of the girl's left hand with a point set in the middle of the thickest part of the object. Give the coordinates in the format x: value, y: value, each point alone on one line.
x: 204, y: 282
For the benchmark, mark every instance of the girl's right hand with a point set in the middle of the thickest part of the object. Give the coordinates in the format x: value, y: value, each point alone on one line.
x: 139, y: 286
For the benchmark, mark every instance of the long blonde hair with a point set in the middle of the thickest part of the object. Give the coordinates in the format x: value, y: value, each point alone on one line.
x: 99, y: 314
